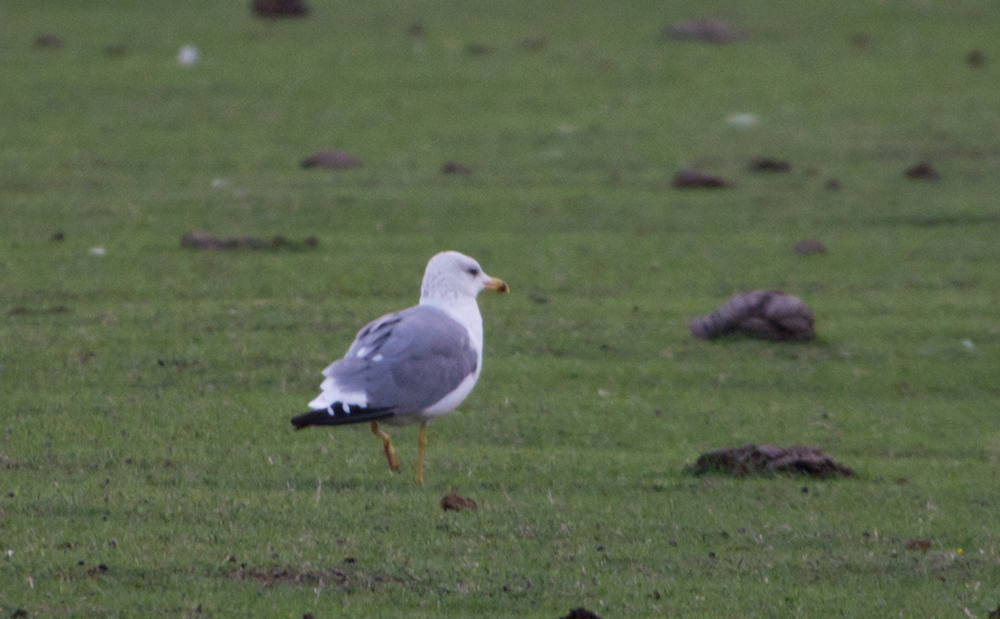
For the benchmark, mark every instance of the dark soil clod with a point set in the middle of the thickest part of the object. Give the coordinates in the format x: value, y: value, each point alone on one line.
x: 923, y: 171
x: 696, y: 179
x: 768, y: 460
x: 713, y: 31
x: 57, y: 236
x: 453, y: 167
x: 47, y: 41
x: 331, y: 160
x: 533, y: 44
x: 810, y: 247
x: 457, y: 503
x: 860, y: 39
x: 832, y: 184
x: 415, y: 30
x: 198, y: 239
x: 580, y: 613
x: 767, y: 164
x: 764, y: 314
x: 478, y: 49
x: 280, y: 8
x: 919, y: 544
x: 115, y: 50
x: 975, y: 59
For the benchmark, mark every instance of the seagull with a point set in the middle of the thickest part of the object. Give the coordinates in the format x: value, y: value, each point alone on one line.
x: 413, y: 365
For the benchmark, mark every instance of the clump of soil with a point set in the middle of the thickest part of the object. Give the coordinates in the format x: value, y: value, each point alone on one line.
x: 534, y: 43
x: 580, y: 613
x: 919, y: 544
x: 696, y: 179
x: 713, y: 31
x: 280, y: 8
x: 415, y: 30
x: 453, y: 167
x: 832, y: 184
x: 198, y: 239
x: 810, y: 247
x: 478, y: 49
x: 97, y: 571
x: 331, y: 160
x: 923, y: 171
x: 754, y: 459
x: 975, y: 59
x: 457, y: 503
x: 764, y: 314
x: 860, y: 39
x: 47, y: 41
x: 767, y: 164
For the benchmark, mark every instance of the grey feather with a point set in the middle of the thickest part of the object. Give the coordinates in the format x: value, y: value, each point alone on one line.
x: 408, y: 360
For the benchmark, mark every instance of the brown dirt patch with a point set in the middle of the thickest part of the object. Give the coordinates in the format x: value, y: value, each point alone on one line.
x: 696, y: 179
x: 198, y: 239
x: 455, y: 502
x: 763, y: 314
x: 331, y: 160
x: 47, y: 41
x: 810, y: 247
x: 453, y: 167
x: 715, y: 31
x: 767, y: 460
x: 919, y: 544
x: 280, y: 8
x: 768, y: 164
x: 923, y: 171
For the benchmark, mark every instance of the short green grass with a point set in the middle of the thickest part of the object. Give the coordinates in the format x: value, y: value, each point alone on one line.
x: 146, y: 392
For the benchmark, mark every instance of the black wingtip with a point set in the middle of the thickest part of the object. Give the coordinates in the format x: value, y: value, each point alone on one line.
x: 338, y: 415
x: 306, y: 420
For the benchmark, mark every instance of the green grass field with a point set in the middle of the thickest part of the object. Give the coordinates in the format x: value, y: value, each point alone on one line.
x: 147, y: 465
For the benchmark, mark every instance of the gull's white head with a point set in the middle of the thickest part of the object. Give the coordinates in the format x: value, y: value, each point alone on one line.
x: 451, y: 276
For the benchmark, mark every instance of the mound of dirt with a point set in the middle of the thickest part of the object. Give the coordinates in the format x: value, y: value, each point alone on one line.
x: 975, y: 59
x: 696, y: 179
x: 768, y: 164
x: 764, y: 314
x: 453, y: 167
x: 198, y: 239
x: 580, y: 613
x: 923, y: 171
x: 919, y: 544
x: 754, y: 459
x: 331, y: 160
x: 457, y: 503
x: 280, y: 8
x: 810, y: 247
x: 713, y: 31
x: 47, y: 41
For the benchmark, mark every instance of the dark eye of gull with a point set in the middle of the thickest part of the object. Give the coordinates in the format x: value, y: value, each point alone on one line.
x: 473, y: 271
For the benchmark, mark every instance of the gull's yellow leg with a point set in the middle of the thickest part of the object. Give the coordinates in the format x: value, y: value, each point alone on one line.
x: 421, y: 443
x: 390, y: 453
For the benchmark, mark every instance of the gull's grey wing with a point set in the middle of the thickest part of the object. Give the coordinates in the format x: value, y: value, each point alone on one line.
x: 407, y: 361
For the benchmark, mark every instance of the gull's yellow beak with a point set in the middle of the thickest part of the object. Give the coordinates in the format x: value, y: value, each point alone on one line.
x: 497, y: 284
